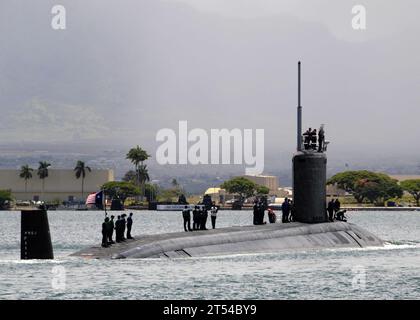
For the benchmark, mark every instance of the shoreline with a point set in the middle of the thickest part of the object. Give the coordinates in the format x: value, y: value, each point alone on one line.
x: 243, y: 209
x: 381, y: 208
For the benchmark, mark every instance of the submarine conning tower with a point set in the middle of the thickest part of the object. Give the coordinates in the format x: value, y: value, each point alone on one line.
x: 35, y: 235
x: 309, y: 173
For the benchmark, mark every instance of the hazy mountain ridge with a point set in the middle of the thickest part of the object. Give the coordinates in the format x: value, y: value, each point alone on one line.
x: 123, y: 70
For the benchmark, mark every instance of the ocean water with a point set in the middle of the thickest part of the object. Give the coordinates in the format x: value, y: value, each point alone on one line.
x: 390, y: 272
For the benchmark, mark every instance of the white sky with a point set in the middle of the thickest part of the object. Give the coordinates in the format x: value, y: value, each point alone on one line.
x: 384, y: 17
x: 124, y: 69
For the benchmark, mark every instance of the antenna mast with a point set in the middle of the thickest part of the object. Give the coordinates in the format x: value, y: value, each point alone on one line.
x: 299, y: 115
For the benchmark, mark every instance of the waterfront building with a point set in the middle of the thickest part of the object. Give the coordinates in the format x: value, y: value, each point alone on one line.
x: 403, y: 177
x: 60, y: 185
x: 271, y: 182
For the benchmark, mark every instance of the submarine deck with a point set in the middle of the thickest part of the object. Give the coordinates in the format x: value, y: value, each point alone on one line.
x: 98, y: 252
x: 237, y: 240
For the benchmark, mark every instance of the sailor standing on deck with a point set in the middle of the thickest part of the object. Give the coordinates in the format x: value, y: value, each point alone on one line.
x: 105, y: 233
x: 196, y: 218
x: 307, y: 138
x: 255, y: 208
x: 186, y: 214
x: 292, y: 211
x: 330, y: 209
x: 129, y: 225
x: 285, y: 208
x: 337, y: 206
x: 261, y: 212
x: 213, y: 214
x: 123, y: 225
x: 203, y: 218
x: 110, y: 230
x: 271, y: 216
x: 118, y: 229
x: 321, y: 138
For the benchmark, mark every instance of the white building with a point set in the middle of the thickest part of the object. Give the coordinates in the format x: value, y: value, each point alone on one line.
x: 60, y: 185
x: 271, y: 182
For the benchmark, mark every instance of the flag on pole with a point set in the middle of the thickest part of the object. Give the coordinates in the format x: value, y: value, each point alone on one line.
x: 91, y: 199
x: 96, y: 199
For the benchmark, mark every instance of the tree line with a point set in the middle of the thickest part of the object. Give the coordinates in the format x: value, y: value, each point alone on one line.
x: 373, y: 187
x: 244, y: 188
x: 133, y: 185
x: 363, y: 185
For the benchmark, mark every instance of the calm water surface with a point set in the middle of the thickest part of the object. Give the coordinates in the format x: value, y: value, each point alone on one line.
x: 392, y: 272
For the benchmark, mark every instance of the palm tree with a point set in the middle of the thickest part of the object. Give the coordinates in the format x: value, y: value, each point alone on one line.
x: 43, y: 173
x: 174, y: 183
x: 80, y: 171
x: 137, y: 156
x: 26, y: 173
x: 176, y: 186
x: 143, y: 175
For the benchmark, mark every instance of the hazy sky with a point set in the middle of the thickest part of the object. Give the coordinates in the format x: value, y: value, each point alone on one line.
x: 124, y: 69
x: 385, y: 17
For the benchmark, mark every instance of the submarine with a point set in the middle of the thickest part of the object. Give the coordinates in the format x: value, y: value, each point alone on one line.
x: 310, y: 230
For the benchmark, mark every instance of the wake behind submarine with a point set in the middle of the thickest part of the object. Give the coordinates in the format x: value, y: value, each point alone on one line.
x: 312, y: 230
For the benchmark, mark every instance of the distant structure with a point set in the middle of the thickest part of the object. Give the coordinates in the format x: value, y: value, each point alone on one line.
x: 218, y: 195
x: 403, y: 177
x: 309, y: 173
x: 334, y: 191
x: 61, y: 184
x: 271, y: 182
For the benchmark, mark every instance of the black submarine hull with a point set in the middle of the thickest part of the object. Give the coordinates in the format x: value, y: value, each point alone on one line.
x: 239, y: 240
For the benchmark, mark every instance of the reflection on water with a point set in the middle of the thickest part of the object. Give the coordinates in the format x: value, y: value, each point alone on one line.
x: 389, y: 272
